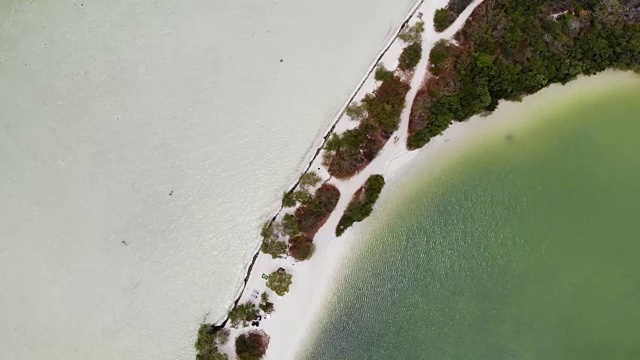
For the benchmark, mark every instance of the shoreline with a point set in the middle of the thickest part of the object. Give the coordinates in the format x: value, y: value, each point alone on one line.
x: 322, y: 139
x: 297, y: 312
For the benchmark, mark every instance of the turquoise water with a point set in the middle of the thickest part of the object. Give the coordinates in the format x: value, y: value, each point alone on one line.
x: 527, y: 247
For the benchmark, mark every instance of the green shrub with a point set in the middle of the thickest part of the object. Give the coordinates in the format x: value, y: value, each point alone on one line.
x: 356, y: 111
x: 301, y: 248
x: 361, y: 204
x: 349, y: 152
x: 413, y: 33
x: 440, y: 57
x: 290, y: 225
x: 252, y: 345
x: 312, y: 214
x: 302, y: 196
x: 206, y: 344
x: 279, y: 282
x: 288, y: 200
x: 410, y: 57
x: 265, y: 305
x: 273, y: 247
x: 443, y: 19
x: 243, y: 314
x: 383, y: 74
x: 309, y: 179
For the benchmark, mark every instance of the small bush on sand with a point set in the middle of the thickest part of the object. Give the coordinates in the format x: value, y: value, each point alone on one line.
x: 206, y: 344
x: 243, y: 314
x: 265, y: 304
x: 279, y: 282
x: 443, y: 19
x: 252, y: 345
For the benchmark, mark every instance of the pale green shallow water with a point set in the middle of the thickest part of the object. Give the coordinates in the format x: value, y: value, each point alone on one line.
x: 527, y: 247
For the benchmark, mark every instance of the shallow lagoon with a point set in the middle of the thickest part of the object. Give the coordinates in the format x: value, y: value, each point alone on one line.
x: 523, y: 246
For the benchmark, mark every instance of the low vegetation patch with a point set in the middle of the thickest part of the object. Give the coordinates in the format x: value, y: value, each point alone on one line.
x: 265, y: 305
x: 410, y: 57
x: 301, y: 248
x: 243, y: 314
x: 207, y: 344
x: 279, y: 281
x: 382, y: 74
x: 443, y: 19
x: 362, y: 203
x: 252, y: 345
x: 313, y: 213
x: 270, y: 243
x: 412, y: 34
x: 348, y: 153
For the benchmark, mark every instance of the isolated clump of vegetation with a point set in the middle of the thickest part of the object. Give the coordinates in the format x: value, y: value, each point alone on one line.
x: 382, y: 74
x: 412, y: 34
x: 207, y: 344
x: 252, y: 345
x: 243, y: 314
x: 279, y: 281
x: 301, y: 248
x: 265, y: 305
x: 410, y: 56
x: 361, y: 204
x: 511, y: 48
x: 313, y: 213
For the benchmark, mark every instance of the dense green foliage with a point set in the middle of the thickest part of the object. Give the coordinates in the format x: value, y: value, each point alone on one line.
x: 309, y: 179
x: 349, y: 152
x: 301, y: 248
x: 279, y: 282
x: 441, y: 57
x: 273, y: 247
x: 511, y: 48
x: 270, y: 243
x: 356, y: 111
x: 382, y: 74
x: 252, y: 345
x: 410, y: 56
x: 288, y: 200
x: 443, y: 19
x: 313, y: 213
x: 290, y: 225
x: 362, y: 203
x: 207, y: 345
x: 243, y: 314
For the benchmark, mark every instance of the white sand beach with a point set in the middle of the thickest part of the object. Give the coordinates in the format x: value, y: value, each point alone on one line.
x: 296, y: 313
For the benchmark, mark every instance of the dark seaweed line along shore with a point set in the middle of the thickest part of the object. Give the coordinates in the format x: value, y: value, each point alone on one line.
x: 210, y: 334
